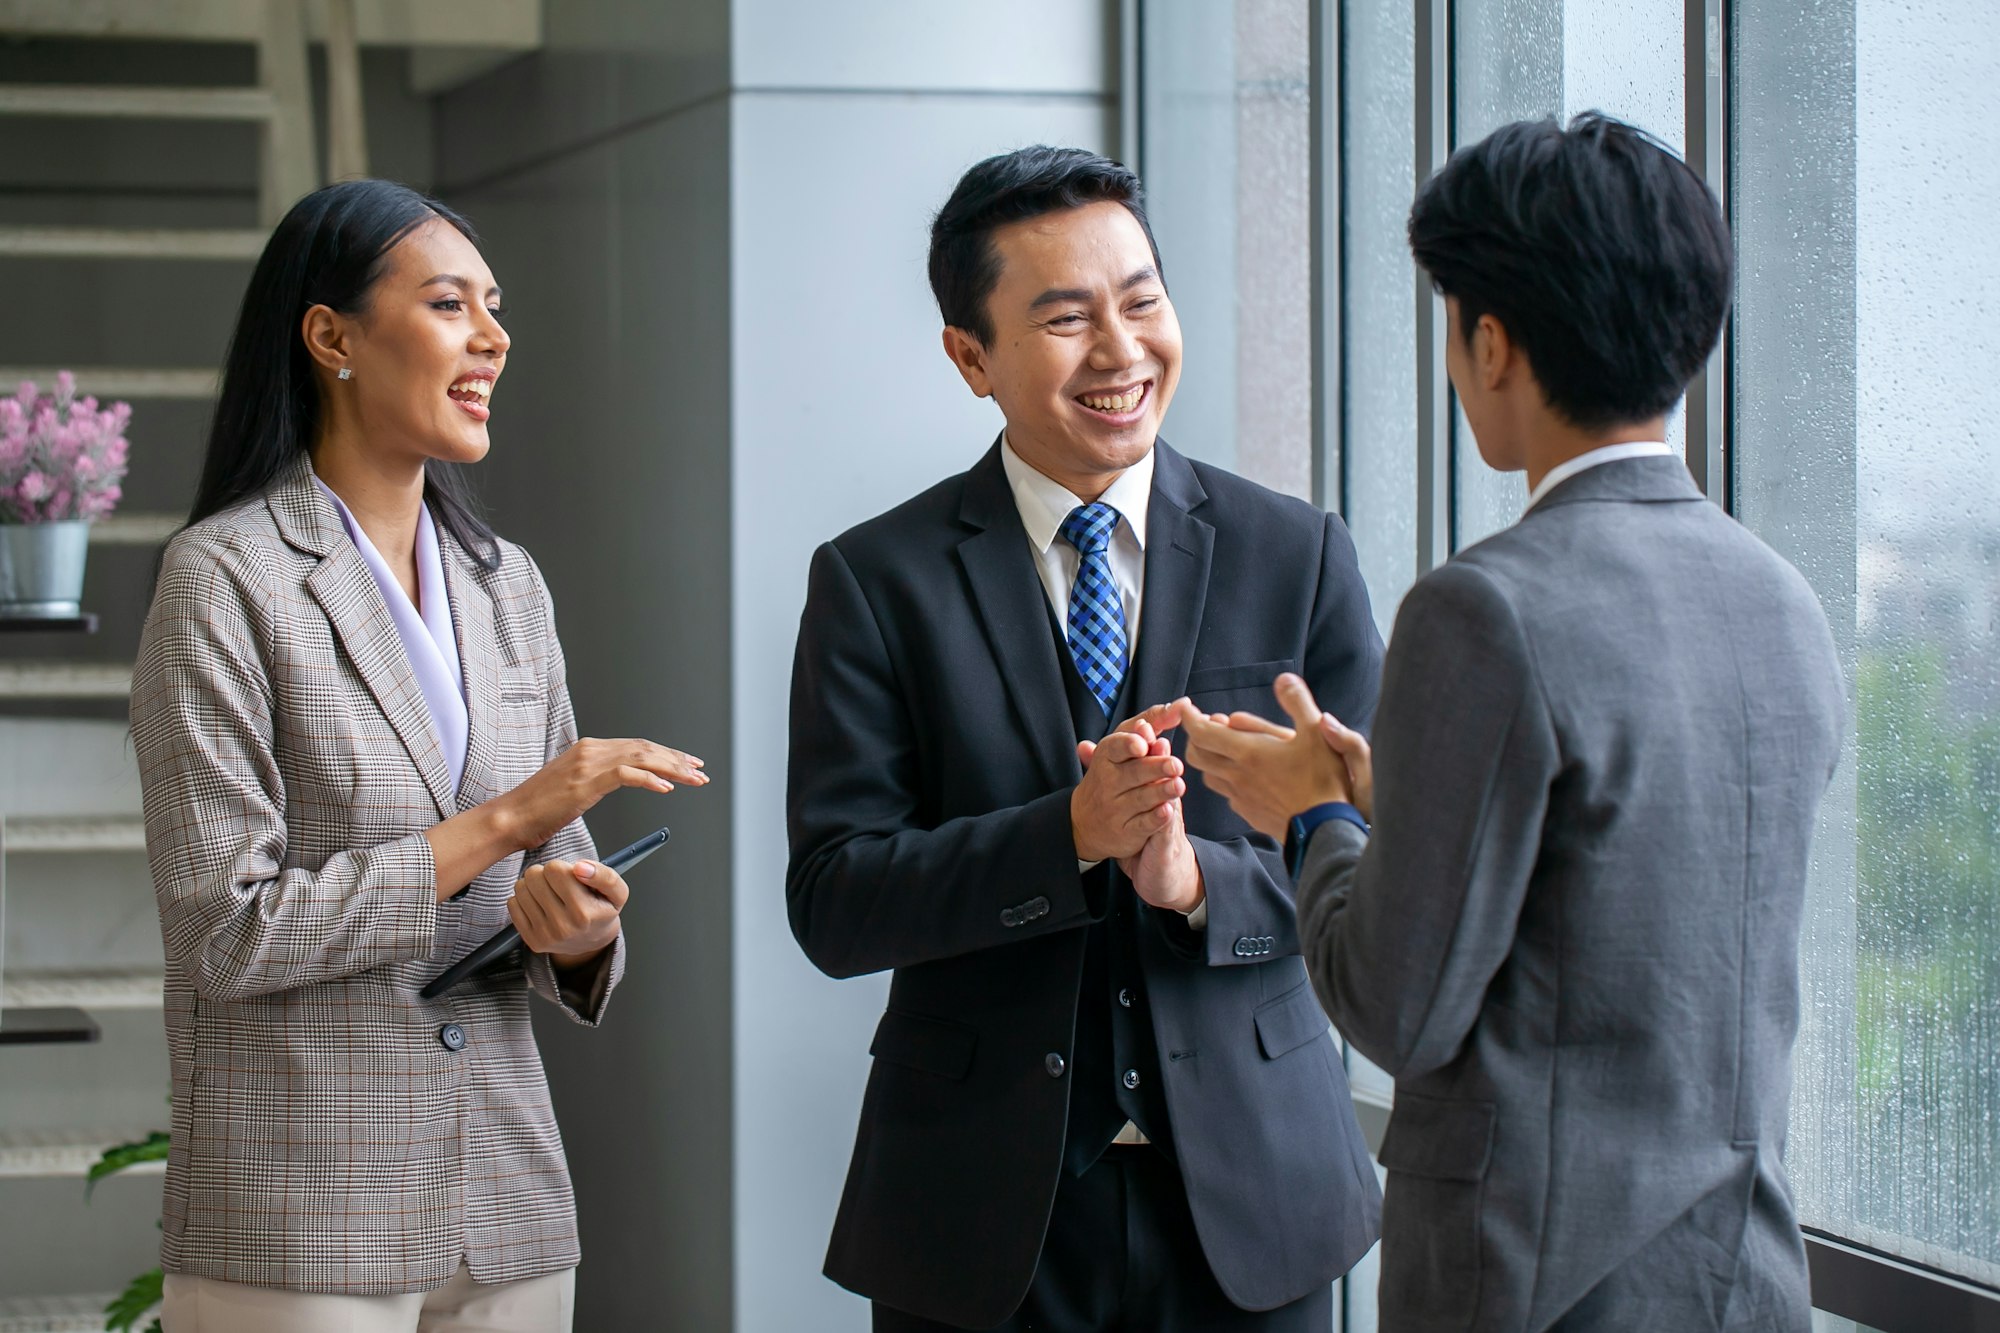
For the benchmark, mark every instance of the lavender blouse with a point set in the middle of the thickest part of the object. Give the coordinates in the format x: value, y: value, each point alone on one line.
x: 429, y: 641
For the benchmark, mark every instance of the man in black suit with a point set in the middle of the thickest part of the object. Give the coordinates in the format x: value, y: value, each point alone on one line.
x: 1104, y: 1095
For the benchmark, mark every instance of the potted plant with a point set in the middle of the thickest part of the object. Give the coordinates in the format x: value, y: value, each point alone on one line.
x: 62, y: 459
x: 142, y: 1294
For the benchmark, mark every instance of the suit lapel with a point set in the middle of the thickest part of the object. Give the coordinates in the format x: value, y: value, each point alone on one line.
x: 1007, y: 591
x: 347, y: 593
x: 479, y: 662
x: 1178, y: 549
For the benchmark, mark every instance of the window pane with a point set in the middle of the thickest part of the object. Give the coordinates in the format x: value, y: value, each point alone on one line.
x: 1227, y: 172
x: 1378, y: 287
x: 1525, y: 59
x: 1868, y: 209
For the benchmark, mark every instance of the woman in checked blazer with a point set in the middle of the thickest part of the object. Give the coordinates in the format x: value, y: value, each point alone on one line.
x: 359, y: 761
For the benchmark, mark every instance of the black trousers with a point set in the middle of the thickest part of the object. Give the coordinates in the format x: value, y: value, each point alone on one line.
x: 1122, y: 1256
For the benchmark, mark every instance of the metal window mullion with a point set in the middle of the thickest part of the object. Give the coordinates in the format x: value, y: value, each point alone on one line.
x: 1433, y: 145
x: 1130, y: 72
x: 1329, y: 379
x: 1707, y: 54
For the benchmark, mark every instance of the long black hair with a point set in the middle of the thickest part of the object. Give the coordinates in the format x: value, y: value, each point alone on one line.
x: 329, y: 251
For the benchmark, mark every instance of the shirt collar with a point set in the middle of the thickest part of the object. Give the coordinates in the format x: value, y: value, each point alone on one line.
x: 1044, y: 502
x: 435, y: 612
x: 1610, y: 453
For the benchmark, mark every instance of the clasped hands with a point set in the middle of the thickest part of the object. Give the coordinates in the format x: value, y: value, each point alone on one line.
x: 1128, y: 809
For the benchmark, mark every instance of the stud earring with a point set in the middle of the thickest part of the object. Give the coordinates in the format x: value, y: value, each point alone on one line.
x: 346, y: 373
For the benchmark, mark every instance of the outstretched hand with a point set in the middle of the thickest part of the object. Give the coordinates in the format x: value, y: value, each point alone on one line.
x: 1352, y: 746
x: 1269, y: 773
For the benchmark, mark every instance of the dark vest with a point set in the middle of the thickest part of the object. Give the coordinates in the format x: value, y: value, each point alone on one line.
x: 1114, y: 1043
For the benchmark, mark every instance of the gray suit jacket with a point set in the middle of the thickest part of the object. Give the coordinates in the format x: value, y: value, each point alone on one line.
x: 1573, y: 937
x: 329, y: 1134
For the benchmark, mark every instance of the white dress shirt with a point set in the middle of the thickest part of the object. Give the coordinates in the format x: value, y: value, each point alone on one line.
x: 1610, y: 453
x: 430, y: 641
x: 1044, y: 503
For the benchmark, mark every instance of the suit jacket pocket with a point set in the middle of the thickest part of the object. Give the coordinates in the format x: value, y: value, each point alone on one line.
x: 1436, y: 1153
x: 1215, y: 680
x: 929, y: 1045
x: 521, y: 685
x: 1290, y: 1021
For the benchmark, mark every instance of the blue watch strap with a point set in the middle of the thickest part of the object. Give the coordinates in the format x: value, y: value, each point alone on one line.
x: 1304, y: 824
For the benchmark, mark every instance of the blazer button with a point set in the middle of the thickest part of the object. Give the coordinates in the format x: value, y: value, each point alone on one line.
x: 1009, y: 917
x: 1054, y: 1064
x: 453, y: 1037
x: 1124, y: 999
x: 1131, y: 1079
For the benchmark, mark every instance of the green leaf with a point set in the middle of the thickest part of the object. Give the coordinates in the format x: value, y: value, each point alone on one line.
x: 132, y: 1305
x: 152, y: 1148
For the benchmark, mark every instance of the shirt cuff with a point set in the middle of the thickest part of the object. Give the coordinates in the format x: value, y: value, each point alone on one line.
x: 1302, y: 826
x: 1085, y: 867
x: 1198, y: 918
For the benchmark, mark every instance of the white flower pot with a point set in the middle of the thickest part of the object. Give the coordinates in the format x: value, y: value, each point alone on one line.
x: 41, y: 568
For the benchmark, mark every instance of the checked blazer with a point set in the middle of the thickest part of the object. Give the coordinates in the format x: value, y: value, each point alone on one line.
x: 332, y: 1132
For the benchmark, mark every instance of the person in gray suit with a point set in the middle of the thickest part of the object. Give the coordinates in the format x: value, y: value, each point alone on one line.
x: 1571, y: 933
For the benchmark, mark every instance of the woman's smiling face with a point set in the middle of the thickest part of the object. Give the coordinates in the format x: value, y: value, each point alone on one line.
x: 425, y: 351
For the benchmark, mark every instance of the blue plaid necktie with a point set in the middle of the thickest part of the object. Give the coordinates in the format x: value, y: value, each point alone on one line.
x: 1096, y: 611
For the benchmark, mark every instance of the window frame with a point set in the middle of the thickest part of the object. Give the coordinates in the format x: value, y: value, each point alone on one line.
x: 1849, y: 1280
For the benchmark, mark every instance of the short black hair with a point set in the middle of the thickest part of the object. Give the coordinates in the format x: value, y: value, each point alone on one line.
x: 1014, y: 187
x: 1602, y: 254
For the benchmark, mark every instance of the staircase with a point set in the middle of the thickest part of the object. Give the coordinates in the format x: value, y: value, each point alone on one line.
x: 79, y: 943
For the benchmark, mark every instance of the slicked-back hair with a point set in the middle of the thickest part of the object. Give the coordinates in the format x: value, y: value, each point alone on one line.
x: 1601, y: 253
x: 1013, y: 187
x: 329, y: 249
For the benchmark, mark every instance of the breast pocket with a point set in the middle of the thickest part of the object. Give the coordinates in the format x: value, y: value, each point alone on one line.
x: 521, y: 731
x: 1245, y: 688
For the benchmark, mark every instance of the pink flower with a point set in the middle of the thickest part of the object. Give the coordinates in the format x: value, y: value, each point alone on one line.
x: 61, y: 456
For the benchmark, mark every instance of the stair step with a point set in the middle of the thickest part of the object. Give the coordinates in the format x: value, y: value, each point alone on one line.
x: 75, y: 833
x: 130, y: 243
x: 64, y: 99
x: 107, y: 382
x: 45, y: 1153
x: 84, y: 988
x: 135, y: 529
x: 514, y: 25
x: 65, y: 680
x: 54, y: 1314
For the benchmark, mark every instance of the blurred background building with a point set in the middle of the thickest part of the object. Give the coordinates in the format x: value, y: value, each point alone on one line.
x: 710, y: 219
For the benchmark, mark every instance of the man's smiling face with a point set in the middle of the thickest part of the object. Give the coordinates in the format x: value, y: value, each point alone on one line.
x: 1086, y: 349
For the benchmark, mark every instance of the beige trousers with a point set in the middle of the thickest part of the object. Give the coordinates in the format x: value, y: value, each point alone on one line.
x: 533, y: 1305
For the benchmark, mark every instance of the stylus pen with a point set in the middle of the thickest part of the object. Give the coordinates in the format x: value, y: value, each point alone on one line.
x: 621, y: 861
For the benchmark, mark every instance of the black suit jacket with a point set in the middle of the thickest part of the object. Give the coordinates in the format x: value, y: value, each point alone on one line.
x: 932, y: 762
